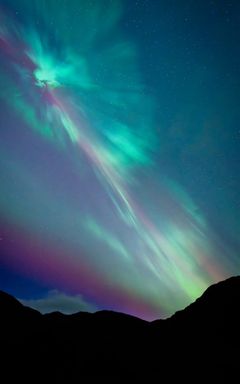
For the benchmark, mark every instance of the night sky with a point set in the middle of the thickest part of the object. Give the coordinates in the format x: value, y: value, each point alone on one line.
x: 119, y: 152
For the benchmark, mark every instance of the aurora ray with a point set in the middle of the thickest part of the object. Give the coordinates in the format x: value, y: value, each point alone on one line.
x: 87, y: 107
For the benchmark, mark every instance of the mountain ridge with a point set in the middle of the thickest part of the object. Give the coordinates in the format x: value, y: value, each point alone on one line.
x: 112, y: 344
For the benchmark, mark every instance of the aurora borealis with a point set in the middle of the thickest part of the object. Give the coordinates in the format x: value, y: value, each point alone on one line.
x: 118, y: 157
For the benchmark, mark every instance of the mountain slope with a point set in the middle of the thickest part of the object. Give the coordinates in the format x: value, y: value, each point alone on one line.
x: 203, y: 337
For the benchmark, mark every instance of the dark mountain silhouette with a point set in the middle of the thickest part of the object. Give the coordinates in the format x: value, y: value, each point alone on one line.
x: 201, y: 342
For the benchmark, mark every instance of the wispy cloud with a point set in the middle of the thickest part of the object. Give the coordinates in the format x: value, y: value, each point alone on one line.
x: 58, y: 301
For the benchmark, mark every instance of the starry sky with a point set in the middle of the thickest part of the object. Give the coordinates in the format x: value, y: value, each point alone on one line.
x: 119, y: 152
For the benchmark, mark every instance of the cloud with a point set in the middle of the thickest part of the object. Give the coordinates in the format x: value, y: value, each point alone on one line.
x: 59, y: 301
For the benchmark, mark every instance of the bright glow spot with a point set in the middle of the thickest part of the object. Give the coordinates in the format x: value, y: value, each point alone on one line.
x: 46, y: 77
